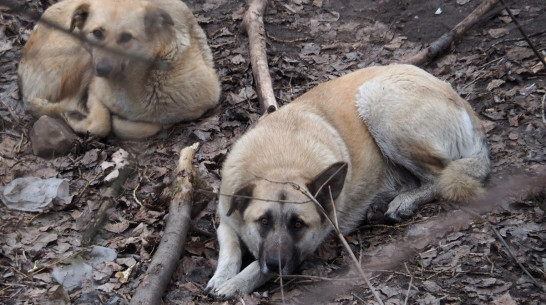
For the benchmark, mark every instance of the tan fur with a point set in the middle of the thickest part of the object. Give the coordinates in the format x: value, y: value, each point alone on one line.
x: 384, y: 139
x: 169, y: 76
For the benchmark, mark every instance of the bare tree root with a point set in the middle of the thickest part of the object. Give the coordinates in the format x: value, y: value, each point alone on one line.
x: 442, y: 43
x: 254, y: 25
x: 108, y: 194
x: 170, y: 249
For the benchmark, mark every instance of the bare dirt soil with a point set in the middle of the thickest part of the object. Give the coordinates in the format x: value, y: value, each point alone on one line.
x: 440, y: 256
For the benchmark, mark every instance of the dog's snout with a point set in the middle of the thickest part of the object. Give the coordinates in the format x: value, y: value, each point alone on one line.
x: 273, y: 262
x: 103, y: 69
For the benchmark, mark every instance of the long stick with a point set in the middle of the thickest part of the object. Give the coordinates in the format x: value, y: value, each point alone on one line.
x: 254, y: 25
x: 164, y: 262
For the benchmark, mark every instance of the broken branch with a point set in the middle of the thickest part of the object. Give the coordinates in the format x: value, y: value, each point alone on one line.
x: 254, y: 25
x: 109, y: 195
x: 170, y: 249
x: 445, y: 40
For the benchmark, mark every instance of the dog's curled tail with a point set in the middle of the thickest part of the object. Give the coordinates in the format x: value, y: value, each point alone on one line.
x: 463, y: 178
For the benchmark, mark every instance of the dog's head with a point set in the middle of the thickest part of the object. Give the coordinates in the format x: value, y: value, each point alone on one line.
x: 122, y: 33
x: 280, y: 224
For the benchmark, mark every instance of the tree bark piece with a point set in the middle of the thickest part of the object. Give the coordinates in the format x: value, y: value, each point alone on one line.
x: 254, y: 25
x: 168, y: 253
x: 445, y: 40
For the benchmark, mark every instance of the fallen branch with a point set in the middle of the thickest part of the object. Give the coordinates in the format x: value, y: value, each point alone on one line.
x: 109, y: 195
x: 170, y: 249
x: 254, y: 25
x: 445, y: 40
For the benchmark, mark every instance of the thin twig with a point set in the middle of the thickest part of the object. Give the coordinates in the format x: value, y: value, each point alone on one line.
x: 493, y: 227
x: 158, y: 64
x: 520, y: 28
x: 319, y: 278
x: 11, y: 111
x: 340, y: 236
x: 280, y: 271
x: 543, y: 110
x: 42, y: 268
x: 251, y: 197
x: 410, y: 283
x: 135, y: 196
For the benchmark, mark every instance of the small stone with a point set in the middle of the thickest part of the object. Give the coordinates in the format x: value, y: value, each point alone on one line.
x: 51, y: 137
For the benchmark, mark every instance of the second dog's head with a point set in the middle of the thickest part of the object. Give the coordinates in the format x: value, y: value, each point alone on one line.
x: 123, y: 34
x: 279, y: 223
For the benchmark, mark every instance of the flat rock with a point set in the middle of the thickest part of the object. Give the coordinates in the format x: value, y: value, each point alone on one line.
x: 51, y: 137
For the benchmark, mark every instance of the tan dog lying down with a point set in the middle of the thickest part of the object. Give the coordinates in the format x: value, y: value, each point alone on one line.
x: 383, y: 139
x: 145, y: 62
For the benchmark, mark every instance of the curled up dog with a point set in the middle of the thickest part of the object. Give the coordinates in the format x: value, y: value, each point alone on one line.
x: 378, y: 142
x: 138, y: 68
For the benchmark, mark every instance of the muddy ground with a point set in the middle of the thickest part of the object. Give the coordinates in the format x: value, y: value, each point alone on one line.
x: 440, y: 256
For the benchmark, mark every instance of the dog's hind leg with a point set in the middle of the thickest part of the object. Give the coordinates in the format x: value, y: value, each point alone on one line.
x: 405, y: 204
x: 423, y: 127
x: 125, y: 129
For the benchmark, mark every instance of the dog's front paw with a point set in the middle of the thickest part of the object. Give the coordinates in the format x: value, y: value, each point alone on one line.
x: 223, y: 288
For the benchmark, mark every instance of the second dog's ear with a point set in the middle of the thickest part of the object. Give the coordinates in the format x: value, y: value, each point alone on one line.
x: 156, y: 19
x: 240, y: 199
x: 79, y: 16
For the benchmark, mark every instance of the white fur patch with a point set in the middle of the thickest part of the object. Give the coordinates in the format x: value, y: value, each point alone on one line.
x: 368, y: 94
x: 467, y: 148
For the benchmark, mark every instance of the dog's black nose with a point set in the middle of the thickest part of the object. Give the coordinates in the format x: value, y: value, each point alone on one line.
x: 103, y: 69
x: 273, y: 263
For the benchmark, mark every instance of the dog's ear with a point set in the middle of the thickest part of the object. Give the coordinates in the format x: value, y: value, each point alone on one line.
x: 155, y: 20
x: 79, y: 16
x: 241, y: 199
x: 331, y: 179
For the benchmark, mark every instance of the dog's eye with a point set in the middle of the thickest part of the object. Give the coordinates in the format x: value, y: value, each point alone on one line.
x: 125, y: 37
x: 264, y: 221
x: 98, y: 34
x: 298, y: 224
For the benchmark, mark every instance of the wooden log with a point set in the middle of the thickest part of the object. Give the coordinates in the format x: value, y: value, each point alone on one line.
x: 170, y: 249
x: 254, y: 25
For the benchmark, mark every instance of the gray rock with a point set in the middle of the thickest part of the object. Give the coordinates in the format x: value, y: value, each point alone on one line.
x: 51, y: 137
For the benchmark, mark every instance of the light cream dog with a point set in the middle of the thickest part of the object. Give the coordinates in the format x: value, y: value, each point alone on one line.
x: 381, y: 139
x: 146, y: 63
